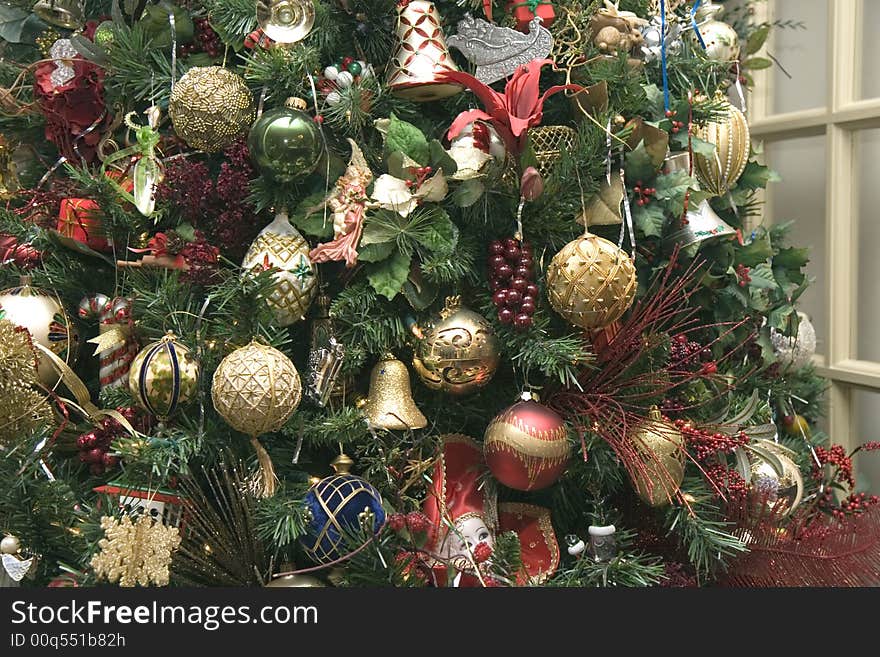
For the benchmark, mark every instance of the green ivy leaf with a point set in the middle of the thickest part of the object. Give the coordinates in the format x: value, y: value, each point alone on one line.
x: 655, y: 98
x: 757, y: 39
x: 407, y: 139
x: 388, y: 277
x: 649, y: 219
x: 18, y: 25
x: 375, y: 252
x: 309, y: 217
x: 440, y: 235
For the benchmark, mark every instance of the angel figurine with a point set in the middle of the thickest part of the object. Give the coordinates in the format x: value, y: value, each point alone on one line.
x: 463, y: 516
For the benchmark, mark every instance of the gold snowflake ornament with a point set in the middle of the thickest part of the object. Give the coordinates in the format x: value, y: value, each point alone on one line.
x: 135, y: 553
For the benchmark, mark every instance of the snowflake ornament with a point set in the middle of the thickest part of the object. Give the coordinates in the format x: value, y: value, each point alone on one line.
x: 135, y: 553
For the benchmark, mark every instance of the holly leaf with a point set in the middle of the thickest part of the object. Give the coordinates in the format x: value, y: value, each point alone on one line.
x: 780, y: 317
x: 756, y: 252
x: 649, y: 219
x: 672, y: 188
x: 792, y: 258
x: 757, y: 39
x: 640, y: 165
x: 388, y: 277
x: 757, y: 176
x: 375, y: 252
x: 762, y: 277
x: 655, y: 98
x: 407, y: 139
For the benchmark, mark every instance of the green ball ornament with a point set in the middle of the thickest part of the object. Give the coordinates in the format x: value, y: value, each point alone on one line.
x: 105, y: 33
x: 285, y: 142
x: 355, y: 68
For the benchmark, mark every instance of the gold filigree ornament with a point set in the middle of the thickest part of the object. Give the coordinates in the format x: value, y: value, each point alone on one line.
x: 135, y: 553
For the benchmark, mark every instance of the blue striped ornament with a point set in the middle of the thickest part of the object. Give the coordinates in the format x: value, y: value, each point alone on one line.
x: 163, y: 376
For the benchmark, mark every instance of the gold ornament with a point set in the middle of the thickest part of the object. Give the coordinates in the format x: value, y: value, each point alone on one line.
x: 591, y: 282
x: 210, y: 107
x: 163, y: 376
x: 286, y: 21
x: 135, y: 553
x: 662, y: 448
x: 775, y: 479
x: 421, y: 54
x: 281, y: 246
x: 44, y: 318
x: 256, y: 389
x: 722, y: 41
x: 295, y: 581
x: 457, y: 352
x: 719, y: 171
x: 61, y: 13
x: 390, y: 404
x: 22, y: 408
x: 8, y: 178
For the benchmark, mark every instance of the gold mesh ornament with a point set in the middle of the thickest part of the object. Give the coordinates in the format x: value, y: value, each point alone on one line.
x: 280, y: 245
x: 591, y: 282
x: 720, y: 170
x: 210, y: 107
x: 548, y: 143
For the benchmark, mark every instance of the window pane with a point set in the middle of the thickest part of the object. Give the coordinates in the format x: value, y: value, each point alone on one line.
x: 867, y: 306
x: 800, y: 50
x: 866, y: 408
x: 870, y: 49
x: 800, y: 197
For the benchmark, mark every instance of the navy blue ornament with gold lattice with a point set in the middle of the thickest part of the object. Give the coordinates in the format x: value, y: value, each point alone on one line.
x: 340, y: 505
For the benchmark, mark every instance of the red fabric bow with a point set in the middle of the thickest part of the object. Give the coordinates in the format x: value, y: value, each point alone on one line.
x: 512, y: 113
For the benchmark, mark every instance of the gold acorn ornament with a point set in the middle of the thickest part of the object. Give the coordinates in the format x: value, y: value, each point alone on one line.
x: 720, y: 170
x: 210, y: 107
x: 390, y: 404
x: 457, y: 352
x: 591, y: 282
x: 163, y: 376
x: 661, y: 447
x: 255, y: 390
x: 45, y: 319
x: 281, y: 246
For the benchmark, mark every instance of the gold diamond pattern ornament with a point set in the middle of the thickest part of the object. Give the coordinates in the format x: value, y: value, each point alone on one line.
x: 135, y: 553
x: 591, y: 282
x: 281, y: 246
x: 256, y: 389
x: 44, y: 318
x: 210, y: 107
x: 421, y: 54
x: 719, y: 171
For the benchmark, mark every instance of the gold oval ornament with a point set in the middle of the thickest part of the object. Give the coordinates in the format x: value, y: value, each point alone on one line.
x: 719, y: 171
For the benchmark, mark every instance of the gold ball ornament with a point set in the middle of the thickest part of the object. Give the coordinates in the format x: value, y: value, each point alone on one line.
x: 591, y: 282
x: 775, y: 481
x: 44, y: 318
x: 457, y: 352
x: 719, y: 171
x: 281, y: 246
x: 163, y: 376
x: 210, y: 107
x: 661, y: 446
x: 256, y: 389
x: 295, y: 581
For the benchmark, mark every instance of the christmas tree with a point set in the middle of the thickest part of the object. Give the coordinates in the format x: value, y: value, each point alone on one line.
x: 403, y: 293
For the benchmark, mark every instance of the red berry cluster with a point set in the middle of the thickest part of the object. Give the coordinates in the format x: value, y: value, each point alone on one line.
x: 837, y: 458
x: 689, y: 354
x: 742, y: 273
x: 707, y: 443
x: 411, y: 565
x: 203, y: 260
x: 420, y: 175
x: 644, y: 193
x: 482, y: 552
x: 511, y: 280
x: 415, y: 521
x: 94, y: 445
x: 729, y: 480
x: 205, y: 40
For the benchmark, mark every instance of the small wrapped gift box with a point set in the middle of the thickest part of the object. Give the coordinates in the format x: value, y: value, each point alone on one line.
x: 525, y: 10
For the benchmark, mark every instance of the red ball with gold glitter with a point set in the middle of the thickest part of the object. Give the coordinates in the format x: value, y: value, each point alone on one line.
x: 526, y: 447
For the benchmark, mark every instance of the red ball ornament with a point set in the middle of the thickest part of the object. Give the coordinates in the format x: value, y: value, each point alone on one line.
x: 526, y: 447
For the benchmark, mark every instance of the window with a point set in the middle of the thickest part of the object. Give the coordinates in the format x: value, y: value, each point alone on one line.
x: 821, y: 129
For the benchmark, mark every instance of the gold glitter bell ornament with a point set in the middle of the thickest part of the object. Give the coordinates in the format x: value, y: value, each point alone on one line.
x: 390, y: 404
x: 281, y: 246
x: 163, y: 376
x: 719, y: 171
x: 420, y: 55
x: 255, y: 390
x: 210, y: 107
x: 591, y: 282
x: 661, y: 446
x: 456, y: 352
x: 774, y: 478
x: 44, y: 318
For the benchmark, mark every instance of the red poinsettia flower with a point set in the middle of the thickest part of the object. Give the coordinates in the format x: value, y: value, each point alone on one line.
x: 519, y: 108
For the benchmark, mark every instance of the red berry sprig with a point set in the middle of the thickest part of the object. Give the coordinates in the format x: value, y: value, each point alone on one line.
x: 706, y: 444
x: 483, y: 552
x: 729, y: 480
x: 205, y: 40
x: 742, y: 273
x: 644, y: 193
x: 94, y: 445
x: 689, y: 354
x: 836, y: 457
x: 511, y: 279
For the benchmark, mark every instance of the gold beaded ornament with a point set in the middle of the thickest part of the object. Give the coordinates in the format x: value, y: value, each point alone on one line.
x: 210, y: 107
x: 591, y: 282
x: 719, y: 171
